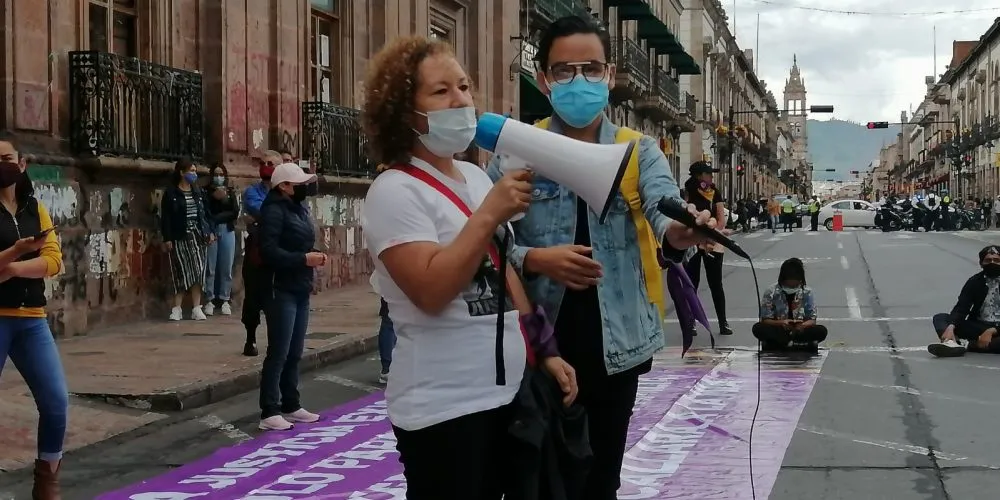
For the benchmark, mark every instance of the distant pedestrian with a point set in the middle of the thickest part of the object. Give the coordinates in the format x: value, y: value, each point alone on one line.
x: 814, y: 214
x: 788, y: 214
x: 287, y: 237
x: 29, y: 253
x: 223, y: 210
x: 256, y: 280
x: 186, y: 234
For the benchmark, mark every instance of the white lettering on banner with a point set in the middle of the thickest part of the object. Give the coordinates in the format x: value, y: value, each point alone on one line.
x: 663, y: 449
x: 165, y: 496
x: 373, y: 450
x: 312, y: 481
x: 394, y: 486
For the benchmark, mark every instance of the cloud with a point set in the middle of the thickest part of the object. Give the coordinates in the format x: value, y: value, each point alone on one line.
x: 869, y: 67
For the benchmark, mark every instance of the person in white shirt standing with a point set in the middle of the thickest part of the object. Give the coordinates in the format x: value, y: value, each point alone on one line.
x: 430, y: 223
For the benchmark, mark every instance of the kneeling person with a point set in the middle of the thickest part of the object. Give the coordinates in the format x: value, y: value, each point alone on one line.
x: 788, y: 312
x: 976, y: 316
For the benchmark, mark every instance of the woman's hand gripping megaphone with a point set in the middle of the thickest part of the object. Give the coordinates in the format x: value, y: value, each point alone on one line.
x: 510, y: 164
x: 510, y: 196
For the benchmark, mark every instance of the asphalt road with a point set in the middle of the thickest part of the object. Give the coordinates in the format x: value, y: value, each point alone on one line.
x: 883, y: 418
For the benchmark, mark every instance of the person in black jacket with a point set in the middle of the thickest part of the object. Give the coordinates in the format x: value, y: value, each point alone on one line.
x: 287, y: 237
x: 186, y: 232
x: 973, y: 322
x: 223, y: 210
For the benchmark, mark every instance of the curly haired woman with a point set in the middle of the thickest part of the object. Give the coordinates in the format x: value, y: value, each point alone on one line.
x: 430, y: 223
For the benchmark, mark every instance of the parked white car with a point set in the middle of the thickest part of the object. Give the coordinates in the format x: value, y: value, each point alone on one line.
x: 857, y: 213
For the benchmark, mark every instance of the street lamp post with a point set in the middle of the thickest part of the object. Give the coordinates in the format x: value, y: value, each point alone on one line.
x: 730, y: 136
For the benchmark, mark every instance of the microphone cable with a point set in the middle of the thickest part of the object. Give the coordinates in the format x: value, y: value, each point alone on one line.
x: 756, y: 410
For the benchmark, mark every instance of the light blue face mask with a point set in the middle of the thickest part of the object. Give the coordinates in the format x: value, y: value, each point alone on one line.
x: 579, y: 102
x: 449, y: 131
x: 219, y: 180
x: 791, y: 290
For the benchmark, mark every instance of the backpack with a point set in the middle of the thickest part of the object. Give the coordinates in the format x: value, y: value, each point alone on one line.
x: 649, y: 245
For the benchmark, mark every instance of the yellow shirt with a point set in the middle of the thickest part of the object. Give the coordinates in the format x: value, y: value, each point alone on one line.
x: 52, y: 255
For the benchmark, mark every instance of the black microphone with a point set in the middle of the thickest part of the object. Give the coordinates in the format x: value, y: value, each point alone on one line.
x: 674, y: 208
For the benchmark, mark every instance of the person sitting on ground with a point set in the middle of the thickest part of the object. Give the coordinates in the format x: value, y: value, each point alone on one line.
x: 788, y: 312
x: 976, y: 316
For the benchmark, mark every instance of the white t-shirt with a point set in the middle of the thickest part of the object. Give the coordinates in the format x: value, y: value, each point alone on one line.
x: 443, y: 366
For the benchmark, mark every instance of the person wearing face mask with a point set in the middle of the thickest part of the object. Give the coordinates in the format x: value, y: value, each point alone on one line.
x: 186, y: 231
x: 702, y: 193
x: 434, y: 227
x: 287, y: 237
x: 223, y: 210
x: 594, y: 279
x: 972, y: 324
x: 788, y: 313
x: 30, y: 253
x: 255, y: 278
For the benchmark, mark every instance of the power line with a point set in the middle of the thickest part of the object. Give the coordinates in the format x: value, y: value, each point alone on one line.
x: 881, y: 14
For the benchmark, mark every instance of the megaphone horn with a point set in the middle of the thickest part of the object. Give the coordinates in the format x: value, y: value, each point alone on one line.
x: 592, y: 171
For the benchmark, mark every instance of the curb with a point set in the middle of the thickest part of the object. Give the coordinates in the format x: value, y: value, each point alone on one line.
x: 206, y: 392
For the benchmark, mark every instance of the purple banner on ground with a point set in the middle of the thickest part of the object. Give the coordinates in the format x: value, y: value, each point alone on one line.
x: 687, y: 440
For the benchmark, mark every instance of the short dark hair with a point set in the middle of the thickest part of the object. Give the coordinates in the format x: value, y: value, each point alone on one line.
x: 568, y: 26
x: 284, y: 152
x: 792, y: 269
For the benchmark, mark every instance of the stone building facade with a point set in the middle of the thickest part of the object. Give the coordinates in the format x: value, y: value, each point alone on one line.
x: 104, y: 95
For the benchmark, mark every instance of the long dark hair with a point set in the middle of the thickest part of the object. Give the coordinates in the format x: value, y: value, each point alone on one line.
x: 792, y: 269
x: 180, y: 168
x: 211, y: 175
x: 24, y: 188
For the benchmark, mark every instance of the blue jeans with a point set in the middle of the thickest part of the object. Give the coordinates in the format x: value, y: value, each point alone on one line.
x: 219, y: 264
x: 287, y: 317
x: 386, y: 337
x: 28, y: 342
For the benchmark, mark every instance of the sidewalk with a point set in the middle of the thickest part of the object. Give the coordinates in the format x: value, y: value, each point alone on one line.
x: 153, y: 367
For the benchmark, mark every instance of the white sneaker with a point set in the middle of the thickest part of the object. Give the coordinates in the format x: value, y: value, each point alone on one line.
x: 301, y: 416
x: 197, y: 314
x: 383, y: 377
x: 947, y: 349
x: 209, y: 309
x: 275, y: 423
x: 176, y: 314
x: 226, y: 309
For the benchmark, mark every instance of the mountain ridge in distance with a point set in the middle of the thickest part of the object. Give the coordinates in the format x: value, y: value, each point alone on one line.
x: 844, y: 145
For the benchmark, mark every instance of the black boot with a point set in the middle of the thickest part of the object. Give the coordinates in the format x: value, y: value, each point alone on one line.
x: 724, y: 328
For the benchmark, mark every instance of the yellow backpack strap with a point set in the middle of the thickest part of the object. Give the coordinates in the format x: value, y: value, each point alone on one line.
x: 649, y: 244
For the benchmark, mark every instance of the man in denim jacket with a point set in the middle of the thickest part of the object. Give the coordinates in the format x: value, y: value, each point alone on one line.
x: 588, y: 276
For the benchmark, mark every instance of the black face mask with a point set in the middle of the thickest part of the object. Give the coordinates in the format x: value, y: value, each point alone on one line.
x: 10, y: 173
x: 991, y: 270
x: 299, y: 193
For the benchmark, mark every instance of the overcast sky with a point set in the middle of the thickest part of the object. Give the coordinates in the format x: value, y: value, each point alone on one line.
x: 868, y: 66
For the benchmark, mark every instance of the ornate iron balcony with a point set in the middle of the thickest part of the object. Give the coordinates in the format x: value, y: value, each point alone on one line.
x: 668, y: 87
x: 550, y: 10
x: 690, y: 106
x: 333, y: 140
x: 123, y: 106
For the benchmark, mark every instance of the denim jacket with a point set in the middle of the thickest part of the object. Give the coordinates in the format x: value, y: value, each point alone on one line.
x: 774, y: 305
x: 633, y: 328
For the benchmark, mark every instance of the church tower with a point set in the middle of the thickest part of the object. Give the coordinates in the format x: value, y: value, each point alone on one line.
x: 796, y: 115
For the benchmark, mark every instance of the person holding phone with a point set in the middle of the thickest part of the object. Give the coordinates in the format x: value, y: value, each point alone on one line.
x: 788, y: 312
x: 29, y: 253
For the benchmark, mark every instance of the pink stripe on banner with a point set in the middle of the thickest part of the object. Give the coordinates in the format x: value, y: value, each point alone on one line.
x: 687, y: 440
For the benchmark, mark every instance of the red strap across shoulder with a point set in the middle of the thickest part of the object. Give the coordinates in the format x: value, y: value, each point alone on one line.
x: 445, y: 191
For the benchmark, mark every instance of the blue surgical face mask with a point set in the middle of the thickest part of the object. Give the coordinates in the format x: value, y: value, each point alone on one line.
x: 579, y: 102
x: 218, y: 180
x: 191, y: 177
x: 449, y: 131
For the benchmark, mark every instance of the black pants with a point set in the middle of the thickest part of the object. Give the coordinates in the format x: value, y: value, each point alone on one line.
x: 787, y: 220
x: 778, y: 337
x: 713, y: 273
x: 814, y: 221
x: 460, y: 459
x: 253, y: 299
x: 969, y: 330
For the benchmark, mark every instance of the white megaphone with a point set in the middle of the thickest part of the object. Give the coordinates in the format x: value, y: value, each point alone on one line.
x: 592, y: 171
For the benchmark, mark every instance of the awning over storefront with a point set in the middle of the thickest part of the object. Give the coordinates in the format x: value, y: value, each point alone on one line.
x: 533, y: 103
x: 685, y: 64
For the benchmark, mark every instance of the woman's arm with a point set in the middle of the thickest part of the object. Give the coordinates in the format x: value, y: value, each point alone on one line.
x: 49, y: 262
x: 517, y: 294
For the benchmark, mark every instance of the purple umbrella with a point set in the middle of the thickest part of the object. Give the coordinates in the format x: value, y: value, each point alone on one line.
x: 689, y: 308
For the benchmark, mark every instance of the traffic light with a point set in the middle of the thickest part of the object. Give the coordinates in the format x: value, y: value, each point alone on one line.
x: 739, y: 170
x: 874, y: 125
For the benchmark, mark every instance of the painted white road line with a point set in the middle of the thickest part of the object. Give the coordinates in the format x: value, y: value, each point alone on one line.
x: 346, y: 382
x: 833, y: 348
x: 230, y: 430
x: 840, y: 245
x: 843, y: 263
x: 753, y: 235
x: 821, y: 319
x: 852, y: 302
x: 932, y: 359
x: 889, y: 445
x: 912, y: 391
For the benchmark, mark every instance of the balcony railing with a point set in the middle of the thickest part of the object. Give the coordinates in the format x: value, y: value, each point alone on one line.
x: 123, y: 106
x: 690, y: 106
x: 668, y: 87
x: 333, y: 140
x: 550, y: 10
x: 631, y: 59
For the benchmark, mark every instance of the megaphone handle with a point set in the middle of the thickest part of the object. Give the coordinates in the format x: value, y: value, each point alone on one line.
x: 675, y: 210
